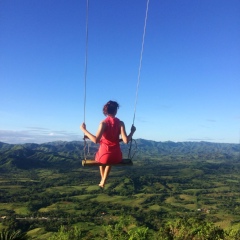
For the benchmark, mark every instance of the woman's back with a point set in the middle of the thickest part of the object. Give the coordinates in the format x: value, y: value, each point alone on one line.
x: 109, y: 150
x: 112, y: 131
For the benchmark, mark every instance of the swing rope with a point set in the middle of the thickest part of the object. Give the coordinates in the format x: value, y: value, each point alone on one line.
x: 86, y: 68
x: 140, y: 62
x: 139, y: 74
x: 85, y: 76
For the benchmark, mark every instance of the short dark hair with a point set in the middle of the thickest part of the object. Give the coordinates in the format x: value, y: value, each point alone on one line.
x: 110, y: 107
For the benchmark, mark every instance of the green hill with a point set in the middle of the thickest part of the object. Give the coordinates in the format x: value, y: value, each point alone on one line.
x: 64, y: 155
x: 44, y: 186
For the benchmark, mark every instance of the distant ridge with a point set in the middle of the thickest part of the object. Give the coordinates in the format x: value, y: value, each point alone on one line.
x: 62, y: 154
x: 142, y: 144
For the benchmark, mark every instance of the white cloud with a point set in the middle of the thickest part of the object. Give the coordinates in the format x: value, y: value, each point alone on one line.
x: 37, y: 135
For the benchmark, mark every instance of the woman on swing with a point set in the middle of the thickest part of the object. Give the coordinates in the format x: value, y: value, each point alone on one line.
x: 107, y: 136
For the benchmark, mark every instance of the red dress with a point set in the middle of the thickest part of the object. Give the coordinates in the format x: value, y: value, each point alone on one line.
x: 109, y: 151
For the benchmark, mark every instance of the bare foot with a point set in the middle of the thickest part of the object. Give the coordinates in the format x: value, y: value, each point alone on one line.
x: 101, y: 184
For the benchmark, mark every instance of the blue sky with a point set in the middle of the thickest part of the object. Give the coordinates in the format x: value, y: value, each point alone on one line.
x: 190, y: 77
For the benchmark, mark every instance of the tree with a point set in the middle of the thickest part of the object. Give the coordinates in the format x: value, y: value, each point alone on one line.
x: 121, y: 231
x: 64, y: 233
x: 139, y: 233
x: 191, y: 228
x: 13, y: 235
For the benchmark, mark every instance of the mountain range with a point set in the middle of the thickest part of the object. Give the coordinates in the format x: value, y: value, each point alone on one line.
x: 64, y: 155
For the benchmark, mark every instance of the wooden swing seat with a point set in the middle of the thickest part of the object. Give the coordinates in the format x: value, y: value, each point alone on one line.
x: 92, y: 163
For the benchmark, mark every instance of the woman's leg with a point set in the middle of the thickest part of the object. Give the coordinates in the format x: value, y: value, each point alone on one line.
x: 101, y: 169
x: 107, y: 170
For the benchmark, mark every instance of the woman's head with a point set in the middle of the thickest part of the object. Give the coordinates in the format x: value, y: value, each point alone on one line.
x: 110, y: 108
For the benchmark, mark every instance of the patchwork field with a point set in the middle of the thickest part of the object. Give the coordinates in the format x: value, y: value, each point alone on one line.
x: 151, y: 192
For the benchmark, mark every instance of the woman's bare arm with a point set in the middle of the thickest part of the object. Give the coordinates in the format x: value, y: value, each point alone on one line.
x: 126, y: 138
x: 95, y: 139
